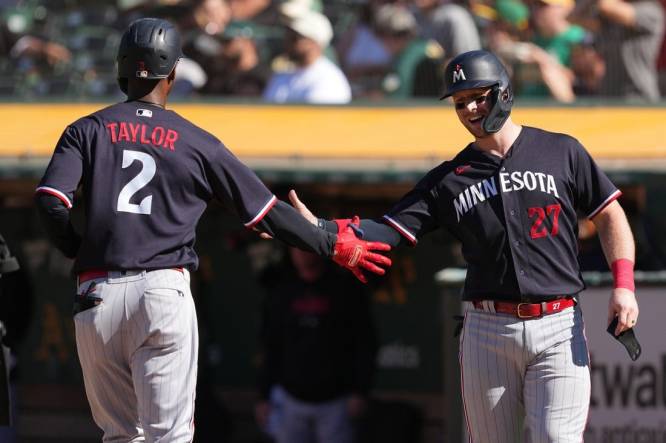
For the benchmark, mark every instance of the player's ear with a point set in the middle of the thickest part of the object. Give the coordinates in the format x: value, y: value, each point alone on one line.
x: 170, y: 80
x: 172, y: 76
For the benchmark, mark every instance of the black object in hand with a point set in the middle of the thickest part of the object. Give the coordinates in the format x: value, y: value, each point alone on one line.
x: 627, y: 338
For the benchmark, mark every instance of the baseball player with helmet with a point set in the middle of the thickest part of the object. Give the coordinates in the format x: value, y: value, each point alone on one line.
x: 511, y: 197
x: 146, y: 175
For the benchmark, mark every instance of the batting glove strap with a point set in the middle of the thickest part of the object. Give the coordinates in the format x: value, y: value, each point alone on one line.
x: 342, y: 224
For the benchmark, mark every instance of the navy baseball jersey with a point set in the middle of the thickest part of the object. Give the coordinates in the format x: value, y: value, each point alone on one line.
x: 516, y: 216
x: 147, y: 175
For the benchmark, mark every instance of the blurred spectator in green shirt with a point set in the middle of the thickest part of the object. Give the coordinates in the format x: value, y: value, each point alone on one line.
x: 557, y: 36
x: 553, y: 31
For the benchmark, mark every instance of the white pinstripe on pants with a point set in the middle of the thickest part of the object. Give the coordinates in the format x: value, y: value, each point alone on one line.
x: 525, y: 380
x: 138, y: 351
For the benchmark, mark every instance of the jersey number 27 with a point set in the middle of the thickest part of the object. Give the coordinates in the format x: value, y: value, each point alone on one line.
x: 538, y: 230
x: 148, y: 169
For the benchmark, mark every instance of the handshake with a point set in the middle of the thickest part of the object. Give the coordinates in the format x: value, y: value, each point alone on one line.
x: 356, y: 254
x: 350, y: 250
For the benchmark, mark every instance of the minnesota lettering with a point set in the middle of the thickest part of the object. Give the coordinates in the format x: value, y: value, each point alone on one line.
x: 144, y: 134
x: 508, y: 182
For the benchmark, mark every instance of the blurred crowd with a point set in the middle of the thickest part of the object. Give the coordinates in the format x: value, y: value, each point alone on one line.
x: 333, y: 51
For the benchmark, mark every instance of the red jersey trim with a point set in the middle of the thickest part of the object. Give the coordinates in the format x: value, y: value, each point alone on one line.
x: 614, y: 196
x: 55, y: 193
x: 404, y: 232
x: 262, y: 213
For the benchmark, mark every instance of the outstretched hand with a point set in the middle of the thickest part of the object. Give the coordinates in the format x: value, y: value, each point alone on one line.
x: 356, y: 255
x: 300, y: 208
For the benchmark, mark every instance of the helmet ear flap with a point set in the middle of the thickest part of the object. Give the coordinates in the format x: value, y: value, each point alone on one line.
x: 500, y: 108
x: 506, y: 99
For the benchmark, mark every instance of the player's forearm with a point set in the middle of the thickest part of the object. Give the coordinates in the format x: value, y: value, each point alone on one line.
x: 615, y: 234
x: 285, y: 224
x: 55, y: 217
x: 372, y: 231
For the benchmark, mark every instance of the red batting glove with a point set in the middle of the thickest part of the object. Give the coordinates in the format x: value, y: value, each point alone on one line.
x: 355, y: 254
x: 342, y: 223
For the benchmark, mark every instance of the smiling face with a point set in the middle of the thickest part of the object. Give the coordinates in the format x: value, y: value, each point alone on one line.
x: 472, y: 106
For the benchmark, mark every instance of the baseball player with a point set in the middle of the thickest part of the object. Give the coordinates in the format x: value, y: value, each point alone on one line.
x: 511, y: 197
x: 146, y: 176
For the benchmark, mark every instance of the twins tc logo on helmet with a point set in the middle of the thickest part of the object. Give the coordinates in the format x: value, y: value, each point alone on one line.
x: 458, y: 74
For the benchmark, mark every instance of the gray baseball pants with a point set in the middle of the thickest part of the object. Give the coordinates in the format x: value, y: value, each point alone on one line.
x: 138, y: 350
x: 524, y: 380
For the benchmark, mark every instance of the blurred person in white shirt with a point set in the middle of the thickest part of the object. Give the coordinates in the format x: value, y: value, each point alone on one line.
x: 313, y: 78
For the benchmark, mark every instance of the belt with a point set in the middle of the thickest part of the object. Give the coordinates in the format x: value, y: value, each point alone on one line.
x: 99, y: 273
x: 526, y: 310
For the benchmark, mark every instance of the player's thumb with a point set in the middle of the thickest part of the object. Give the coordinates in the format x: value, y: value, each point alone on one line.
x: 295, y: 201
x: 301, y: 208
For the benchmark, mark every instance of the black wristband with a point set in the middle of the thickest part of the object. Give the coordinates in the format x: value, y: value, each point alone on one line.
x: 327, y: 225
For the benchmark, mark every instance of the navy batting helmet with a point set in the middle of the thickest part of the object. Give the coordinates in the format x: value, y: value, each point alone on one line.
x: 149, y: 49
x: 481, y: 69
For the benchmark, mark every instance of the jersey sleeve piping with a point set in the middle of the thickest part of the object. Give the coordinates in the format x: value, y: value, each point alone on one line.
x: 404, y: 232
x: 262, y: 213
x: 55, y: 193
x: 614, y: 196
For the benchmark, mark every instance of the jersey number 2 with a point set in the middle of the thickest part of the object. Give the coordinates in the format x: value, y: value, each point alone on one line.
x: 146, y: 174
x: 538, y: 230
